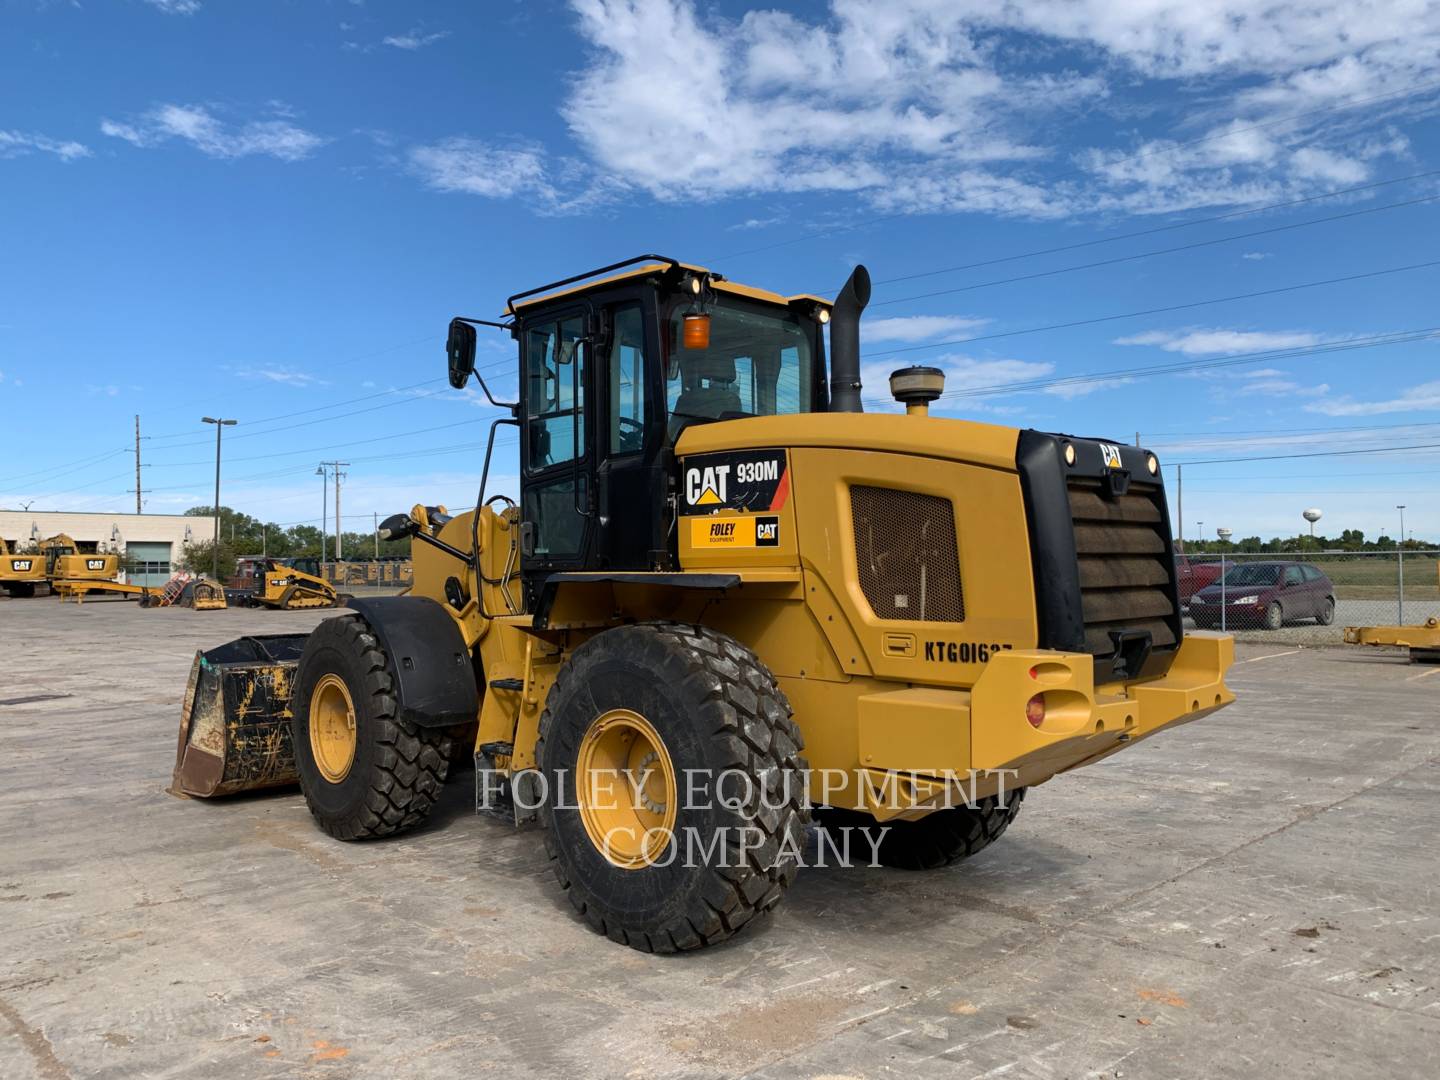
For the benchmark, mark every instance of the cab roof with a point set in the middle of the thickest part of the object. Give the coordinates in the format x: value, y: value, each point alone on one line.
x: 644, y: 269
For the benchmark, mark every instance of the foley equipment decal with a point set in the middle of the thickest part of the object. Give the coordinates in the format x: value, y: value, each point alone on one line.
x: 739, y: 531
x: 754, y: 480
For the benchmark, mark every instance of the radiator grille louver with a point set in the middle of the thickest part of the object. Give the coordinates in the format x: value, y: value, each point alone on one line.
x: 1124, y: 563
x: 906, y: 554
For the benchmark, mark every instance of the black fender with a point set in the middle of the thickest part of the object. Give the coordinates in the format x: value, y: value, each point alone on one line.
x: 434, y: 677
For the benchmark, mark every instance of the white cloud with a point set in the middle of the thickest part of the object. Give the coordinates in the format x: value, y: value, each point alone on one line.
x: 1279, y: 387
x: 962, y: 373
x: 415, y: 39
x: 913, y: 328
x: 918, y: 105
x: 1421, y: 398
x: 287, y: 376
x: 756, y: 223
x: 197, y: 125
x: 18, y: 143
x: 1221, y: 342
x: 1256, y: 256
x: 175, y: 7
x: 478, y: 168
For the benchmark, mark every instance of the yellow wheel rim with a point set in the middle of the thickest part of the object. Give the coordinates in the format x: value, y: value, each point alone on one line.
x: 332, y: 728
x: 625, y: 788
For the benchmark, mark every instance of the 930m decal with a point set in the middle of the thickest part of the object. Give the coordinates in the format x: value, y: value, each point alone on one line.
x: 735, y: 480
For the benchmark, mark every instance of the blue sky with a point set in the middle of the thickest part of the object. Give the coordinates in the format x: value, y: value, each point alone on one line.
x: 271, y: 209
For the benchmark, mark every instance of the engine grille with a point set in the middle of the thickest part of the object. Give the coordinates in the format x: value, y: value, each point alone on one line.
x: 905, y: 549
x: 1123, y: 551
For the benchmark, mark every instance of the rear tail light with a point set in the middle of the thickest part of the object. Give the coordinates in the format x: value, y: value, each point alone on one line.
x: 1035, y: 710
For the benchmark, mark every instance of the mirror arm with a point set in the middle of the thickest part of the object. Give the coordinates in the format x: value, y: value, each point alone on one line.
x: 485, y: 322
x: 513, y: 406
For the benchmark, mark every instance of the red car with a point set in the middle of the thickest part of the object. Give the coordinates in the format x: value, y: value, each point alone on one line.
x: 1265, y: 594
x: 1194, y: 576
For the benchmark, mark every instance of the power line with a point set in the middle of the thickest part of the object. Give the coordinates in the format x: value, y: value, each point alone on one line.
x: 1312, y: 454
x: 1162, y: 310
x: 1162, y: 251
x: 1396, y: 338
x: 1160, y: 228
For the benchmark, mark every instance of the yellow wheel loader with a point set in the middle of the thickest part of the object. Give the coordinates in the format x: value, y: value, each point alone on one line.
x: 727, y: 600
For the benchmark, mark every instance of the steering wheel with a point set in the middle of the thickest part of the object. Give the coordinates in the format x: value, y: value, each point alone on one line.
x: 634, y: 437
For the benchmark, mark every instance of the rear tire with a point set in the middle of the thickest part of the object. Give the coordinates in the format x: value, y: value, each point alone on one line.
x: 938, y: 839
x: 395, y: 771
x: 709, y: 709
x: 1274, y: 616
x: 1326, y: 615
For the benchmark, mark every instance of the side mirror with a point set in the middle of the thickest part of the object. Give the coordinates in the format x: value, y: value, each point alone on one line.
x: 460, y: 351
x: 397, y: 527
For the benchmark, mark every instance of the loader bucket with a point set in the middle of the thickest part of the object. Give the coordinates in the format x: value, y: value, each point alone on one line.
x: 235, y: 725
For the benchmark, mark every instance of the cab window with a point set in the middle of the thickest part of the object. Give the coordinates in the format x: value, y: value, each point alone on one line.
x: 627, y: 382
x: 758, y: 363
x: 555, y: 393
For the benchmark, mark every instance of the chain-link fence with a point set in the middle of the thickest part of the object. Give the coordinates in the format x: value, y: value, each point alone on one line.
x: 1308, y: 599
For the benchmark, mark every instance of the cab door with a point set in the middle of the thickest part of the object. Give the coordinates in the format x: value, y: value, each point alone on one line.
x: 631, y: 479
x: 555, y: 436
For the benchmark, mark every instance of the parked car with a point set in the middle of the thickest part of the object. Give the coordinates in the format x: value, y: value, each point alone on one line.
x: 1193, y: 576
x: 1265, y: 595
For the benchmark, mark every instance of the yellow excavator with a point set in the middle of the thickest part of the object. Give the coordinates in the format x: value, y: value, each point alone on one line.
x: 56, y: 561
x: 20, y: 572
x: 728, y: 602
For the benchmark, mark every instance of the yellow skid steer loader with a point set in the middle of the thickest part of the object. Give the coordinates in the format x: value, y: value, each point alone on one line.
x: 728, y: 603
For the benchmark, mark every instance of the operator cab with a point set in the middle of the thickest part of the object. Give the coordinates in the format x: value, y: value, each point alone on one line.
x: 614, y: 365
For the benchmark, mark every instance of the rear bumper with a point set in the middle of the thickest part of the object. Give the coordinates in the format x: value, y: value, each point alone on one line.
x: 980, y: 741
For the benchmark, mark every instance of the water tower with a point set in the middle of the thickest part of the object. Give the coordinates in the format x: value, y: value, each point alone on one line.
x: 1224, y: 534
x: 1312, y: 515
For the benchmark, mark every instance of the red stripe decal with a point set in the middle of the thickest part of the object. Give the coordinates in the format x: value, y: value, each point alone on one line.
x: 782, y: 490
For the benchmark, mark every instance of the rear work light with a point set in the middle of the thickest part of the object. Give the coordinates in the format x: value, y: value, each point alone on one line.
x: 1035, y: 710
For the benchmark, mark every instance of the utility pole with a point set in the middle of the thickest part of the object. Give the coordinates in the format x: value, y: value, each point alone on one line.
x: 137, y: 463
x: 376, y: 515
x: 1180, y: 497
x: 220, y: 425
x: 324, y: 506
x: 1400, y: 561
x: 335, y: 465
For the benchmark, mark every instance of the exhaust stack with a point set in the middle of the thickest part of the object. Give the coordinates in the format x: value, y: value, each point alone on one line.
x: 845, y: 342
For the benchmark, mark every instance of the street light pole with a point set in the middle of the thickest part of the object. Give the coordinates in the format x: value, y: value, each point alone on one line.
x: 215, y: 543
x: 1400, y: 562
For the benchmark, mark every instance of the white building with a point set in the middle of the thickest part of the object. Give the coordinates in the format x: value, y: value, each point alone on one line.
x: 154, y: 544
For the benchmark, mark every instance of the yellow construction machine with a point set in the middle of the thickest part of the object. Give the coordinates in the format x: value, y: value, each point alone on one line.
x: 1423, y: 640
x: 287, y: 585
x: 727, y: 600
x: 20, y: 572
x: 55, y: 562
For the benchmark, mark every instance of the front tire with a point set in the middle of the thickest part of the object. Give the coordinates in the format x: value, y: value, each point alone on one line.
x: 662, y: 865
x: 1274, y: 616
x: 364, y: 771
x: 938, y: 839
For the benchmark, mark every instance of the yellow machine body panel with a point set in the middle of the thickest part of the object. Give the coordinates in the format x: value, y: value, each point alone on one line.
x: 1423, y: 640
x: 934, y: 685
